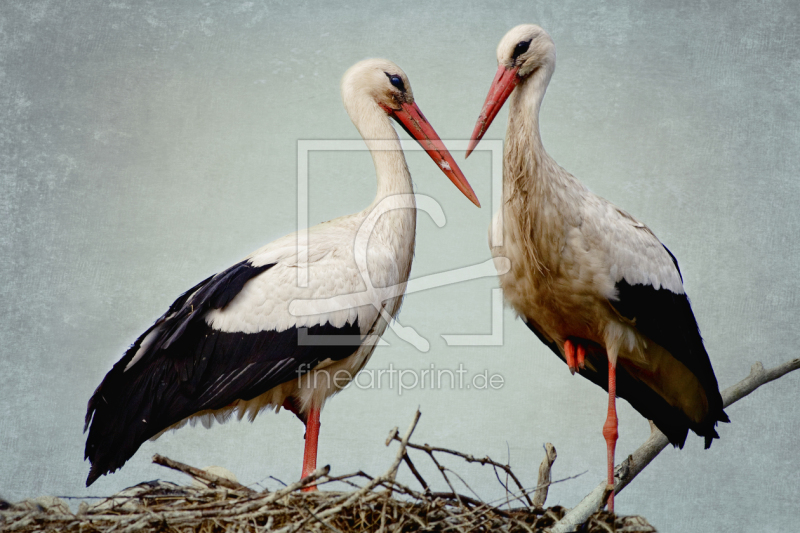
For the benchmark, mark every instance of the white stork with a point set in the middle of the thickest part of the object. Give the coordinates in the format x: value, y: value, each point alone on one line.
x: 593, y: 283
x: 231, y: 344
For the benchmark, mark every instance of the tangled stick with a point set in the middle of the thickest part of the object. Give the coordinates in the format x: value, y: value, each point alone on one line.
x: 379, y: 503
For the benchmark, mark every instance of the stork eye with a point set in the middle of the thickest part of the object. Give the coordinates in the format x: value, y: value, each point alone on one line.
x: 397, y: 81
x: 521, y: 48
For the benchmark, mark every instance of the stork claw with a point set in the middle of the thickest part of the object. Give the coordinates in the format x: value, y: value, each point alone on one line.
x: 569, y: 355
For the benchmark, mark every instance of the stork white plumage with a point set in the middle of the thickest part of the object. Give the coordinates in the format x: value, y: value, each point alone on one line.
x: 592, y: 282
x: 231, y: 344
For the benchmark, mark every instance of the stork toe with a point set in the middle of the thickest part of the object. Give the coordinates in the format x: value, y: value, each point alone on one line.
x: 580, y: 356
x: 575, y: 354
x: 569, y: 355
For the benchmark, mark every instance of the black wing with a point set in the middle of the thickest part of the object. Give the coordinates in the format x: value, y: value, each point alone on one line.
x: 188, y: 367
x: 667, y: 319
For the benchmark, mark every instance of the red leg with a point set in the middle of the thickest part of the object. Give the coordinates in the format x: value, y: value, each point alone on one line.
x: 569, y: 355
x: 310, y: 453
x: 610, y: 431
x: 581, y: 356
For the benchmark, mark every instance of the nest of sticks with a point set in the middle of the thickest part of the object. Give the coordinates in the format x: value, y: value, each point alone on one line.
x: 373, y: 504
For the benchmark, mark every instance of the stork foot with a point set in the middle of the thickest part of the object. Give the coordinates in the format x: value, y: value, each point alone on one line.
x: 610, y: 499
x: 575, y: 354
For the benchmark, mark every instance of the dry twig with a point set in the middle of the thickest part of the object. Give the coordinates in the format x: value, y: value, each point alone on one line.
x: 468, y: 458
x: 200, y: 474
x: 540, y: 496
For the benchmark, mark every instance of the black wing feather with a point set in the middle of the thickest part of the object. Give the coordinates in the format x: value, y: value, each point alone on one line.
x: 190, y: 367
x: 667, y: 319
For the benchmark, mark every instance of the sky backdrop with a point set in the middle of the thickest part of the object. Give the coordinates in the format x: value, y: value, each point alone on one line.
x: 145, y: 146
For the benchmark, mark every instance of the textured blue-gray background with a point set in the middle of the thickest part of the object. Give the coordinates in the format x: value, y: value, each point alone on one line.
x: 144, y: 147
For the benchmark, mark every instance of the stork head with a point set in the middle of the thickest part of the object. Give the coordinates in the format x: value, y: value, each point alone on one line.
x: 524, y: 51
x: 378, y: 80
x: 376, y: 87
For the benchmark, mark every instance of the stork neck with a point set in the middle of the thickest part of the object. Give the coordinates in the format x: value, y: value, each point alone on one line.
x: 395, y: 227
x: 376, y: 129
x: 392, y: 174
x: 523, y: 114
x: 391, y: 169
x: 525, y: 156
x: 387, y: 155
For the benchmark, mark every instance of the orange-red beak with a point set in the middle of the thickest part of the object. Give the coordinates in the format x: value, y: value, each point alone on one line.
x: 504, y: 82
x: 414, y: 122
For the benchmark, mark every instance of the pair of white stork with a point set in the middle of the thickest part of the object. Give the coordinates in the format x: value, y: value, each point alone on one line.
x: 589, y: 280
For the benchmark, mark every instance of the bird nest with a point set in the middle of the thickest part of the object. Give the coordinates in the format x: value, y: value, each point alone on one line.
x: 374, y: 504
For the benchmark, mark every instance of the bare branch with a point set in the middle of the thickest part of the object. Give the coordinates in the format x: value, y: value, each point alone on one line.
x: 635, y: 463
x: 758, y: 376
x: 416, y: 473
x: 200, y: 474
x: 540, y: 496
x: 470, y: 459
x: 446, y: 479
